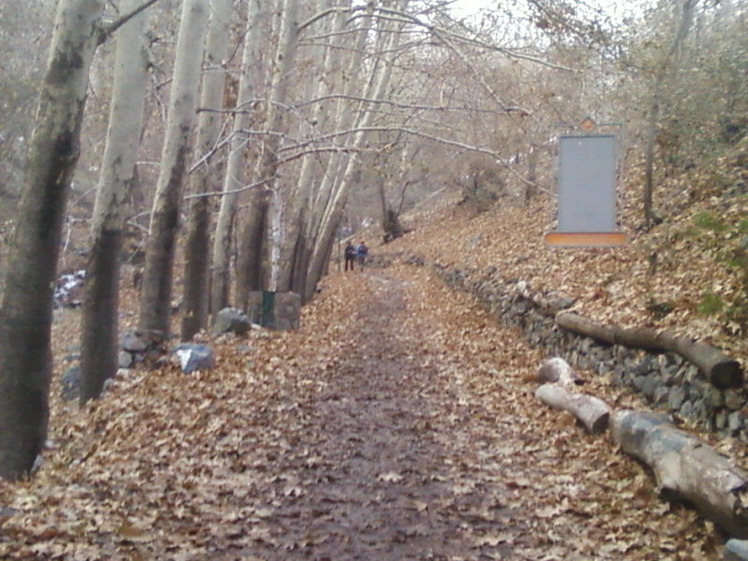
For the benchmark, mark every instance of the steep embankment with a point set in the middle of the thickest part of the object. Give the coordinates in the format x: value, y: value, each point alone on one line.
x: 688, y: 274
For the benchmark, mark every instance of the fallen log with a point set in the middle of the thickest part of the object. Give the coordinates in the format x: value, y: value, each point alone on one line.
x: 556, y: 369
x: 722, y: 371
x: 592, y: 412
x: 686, y: 468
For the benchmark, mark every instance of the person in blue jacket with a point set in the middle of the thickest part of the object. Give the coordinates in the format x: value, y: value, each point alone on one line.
x: 361, y: 254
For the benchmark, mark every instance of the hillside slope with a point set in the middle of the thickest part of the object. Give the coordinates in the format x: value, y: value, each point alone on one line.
x: 688, y: 274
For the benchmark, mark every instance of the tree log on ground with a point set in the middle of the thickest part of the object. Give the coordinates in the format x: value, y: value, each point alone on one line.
x: 556, y: 369
x: 589, y: 410
x: 686, y: 468
x: 722, y: 371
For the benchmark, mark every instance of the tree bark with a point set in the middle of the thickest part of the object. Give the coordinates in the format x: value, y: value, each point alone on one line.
x: 155, y: 303
x: 332, y: 215
x: 100, y: 336
x: 720, y: 370
x: 234, y: 175
x: 264, y: 253
x: 26, y: 312
x: 653, y: 119
x: 686, y: 468
x: 298, y: 213
x: 197, y: 243
x: 591, y: 411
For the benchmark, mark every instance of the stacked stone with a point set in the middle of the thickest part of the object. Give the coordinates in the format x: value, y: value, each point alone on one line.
x: 667, y: 380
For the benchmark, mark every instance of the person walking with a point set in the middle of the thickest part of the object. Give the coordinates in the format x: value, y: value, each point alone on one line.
x: 361, y: 254
x: 350, y: 256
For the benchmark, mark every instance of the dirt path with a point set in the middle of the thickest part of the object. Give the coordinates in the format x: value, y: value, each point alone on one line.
x: 391, y: 476
x: 425, y: 443
x: 397, y: 424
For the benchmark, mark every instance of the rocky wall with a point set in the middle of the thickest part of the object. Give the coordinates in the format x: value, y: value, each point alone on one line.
x: 668, y: 382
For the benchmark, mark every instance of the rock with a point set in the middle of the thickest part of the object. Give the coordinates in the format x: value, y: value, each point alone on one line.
x: 71, y: 383
x: 661, y: 395
x: 133, y: 343
x: 125, y: 360
x: 686, y: 410
x: 720, y: 420
x: 231, y: 320
x: 651, y: 383
x: 676, y: 398
x: 734, y: 399
x: 193, y: 357
x: 736, y: 550
x: 713, y: 397
x: 735, y: 421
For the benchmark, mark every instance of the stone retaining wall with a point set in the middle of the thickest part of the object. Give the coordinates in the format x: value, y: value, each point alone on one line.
x: 668, y: 381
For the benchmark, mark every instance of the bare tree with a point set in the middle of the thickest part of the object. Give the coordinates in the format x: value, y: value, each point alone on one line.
x: 155, y: 304
x: 666, y: 65
x: 256, y: 246
x: 26, y: 311
x: 234, y: 176
x: 99, y: 345
x: 197, y: 242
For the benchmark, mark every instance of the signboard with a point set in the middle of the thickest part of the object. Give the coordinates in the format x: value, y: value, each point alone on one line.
x: 587, y: 192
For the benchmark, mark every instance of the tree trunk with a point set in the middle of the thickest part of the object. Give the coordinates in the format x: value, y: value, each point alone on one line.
x: 155, y: 304
x: 721, y: 371
x: 298, y: 213
x: 234, y: 175
x: 332, y: 215
x: 268, y: 208
x: 26, y: 312
x: 249, y: 261
x: 100, y: 336
x: 194, y: 315
x: 592, y: 412
x: 653, y: 121
x: 686, y: 468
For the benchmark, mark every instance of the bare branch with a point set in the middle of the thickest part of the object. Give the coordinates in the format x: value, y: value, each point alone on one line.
x: 109, y: 30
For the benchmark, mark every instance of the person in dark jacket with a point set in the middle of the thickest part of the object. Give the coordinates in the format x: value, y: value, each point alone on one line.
x: 350, y: 256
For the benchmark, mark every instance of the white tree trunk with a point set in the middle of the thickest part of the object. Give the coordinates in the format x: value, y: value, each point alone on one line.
x: 295, y: 241
x: 99, y: 346
x: 261, y: 237
x: 208, y: 132
x: 589, y: 410
x: 26, y: 312
x: 234, y: 175
x: 155, y: 304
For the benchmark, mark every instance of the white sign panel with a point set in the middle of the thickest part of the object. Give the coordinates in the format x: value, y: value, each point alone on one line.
x: 587, y: 184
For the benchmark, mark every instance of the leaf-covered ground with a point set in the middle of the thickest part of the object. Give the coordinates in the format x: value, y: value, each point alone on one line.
x: 397, y: 423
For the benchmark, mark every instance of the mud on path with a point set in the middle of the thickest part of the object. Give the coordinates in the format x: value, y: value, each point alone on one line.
x: 397, y: 424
